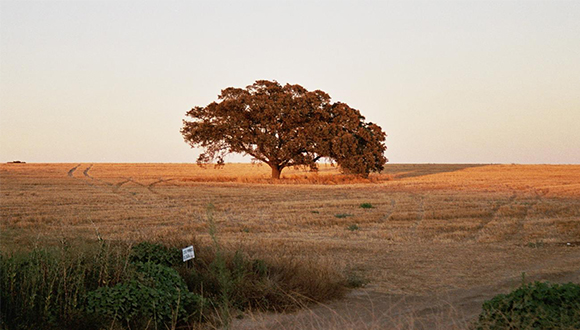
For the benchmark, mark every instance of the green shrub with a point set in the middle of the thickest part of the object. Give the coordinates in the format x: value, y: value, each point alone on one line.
x: 343, y: 215
x: 155, y: 253
x: 366, y: 206
x: 158, y: 294
x: 534, y: 306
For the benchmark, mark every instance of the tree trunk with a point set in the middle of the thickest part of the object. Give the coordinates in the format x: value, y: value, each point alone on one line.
x: 276, y: 170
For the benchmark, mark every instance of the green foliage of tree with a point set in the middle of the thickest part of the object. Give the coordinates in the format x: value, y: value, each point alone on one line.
x: 285, y: 126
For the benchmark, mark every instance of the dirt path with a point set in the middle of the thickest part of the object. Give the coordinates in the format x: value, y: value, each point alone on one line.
x: 370, y: 309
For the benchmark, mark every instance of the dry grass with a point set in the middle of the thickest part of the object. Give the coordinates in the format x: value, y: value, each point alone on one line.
x: 432, y: 228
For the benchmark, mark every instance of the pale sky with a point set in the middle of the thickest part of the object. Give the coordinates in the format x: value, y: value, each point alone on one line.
x: 448, y: 81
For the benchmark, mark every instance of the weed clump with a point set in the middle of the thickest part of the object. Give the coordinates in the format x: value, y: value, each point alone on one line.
x: 354, y: 280
x: 353, y: 227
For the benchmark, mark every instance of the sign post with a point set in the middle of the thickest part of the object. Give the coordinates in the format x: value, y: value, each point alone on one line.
x: 188, y: 253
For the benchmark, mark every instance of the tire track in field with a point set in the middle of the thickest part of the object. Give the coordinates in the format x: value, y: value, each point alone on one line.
x: 161, y: 180
x: 479, y: 230
x: 72, y: 170
x: 86, y: 173
x: 90, y: 179
x: 390, y: 212
x: 119, y: 184
x: 141, y: 185
x: 519, y: 233
x: 116, y: 188
x: 420, y: 215
x: 149, y: 187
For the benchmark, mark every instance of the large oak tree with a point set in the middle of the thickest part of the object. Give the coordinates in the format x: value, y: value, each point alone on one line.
x: 285, y: 126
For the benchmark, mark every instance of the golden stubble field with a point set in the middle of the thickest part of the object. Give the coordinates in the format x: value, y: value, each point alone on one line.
x: 432, y: 229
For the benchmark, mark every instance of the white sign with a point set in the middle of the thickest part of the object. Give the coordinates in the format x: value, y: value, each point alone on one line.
x: 188, y: 253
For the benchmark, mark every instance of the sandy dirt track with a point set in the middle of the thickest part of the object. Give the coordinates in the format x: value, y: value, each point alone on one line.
x: 369, y: 309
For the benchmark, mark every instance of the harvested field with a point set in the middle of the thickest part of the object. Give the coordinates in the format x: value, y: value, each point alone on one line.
x: 432, y: 231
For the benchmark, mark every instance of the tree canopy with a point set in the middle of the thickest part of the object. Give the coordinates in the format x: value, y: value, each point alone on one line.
x: 285, y: 126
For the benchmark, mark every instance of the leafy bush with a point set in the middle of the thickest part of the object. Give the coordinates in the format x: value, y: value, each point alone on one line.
x: 158, y: 293
x: 366, y: 206
x: 534, y: 306
x: 155, y: 253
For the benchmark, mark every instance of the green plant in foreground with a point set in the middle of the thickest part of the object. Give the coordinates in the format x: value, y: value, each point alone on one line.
x: 366, y: 206
x: 536, y: 305
x: 158, y: 293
